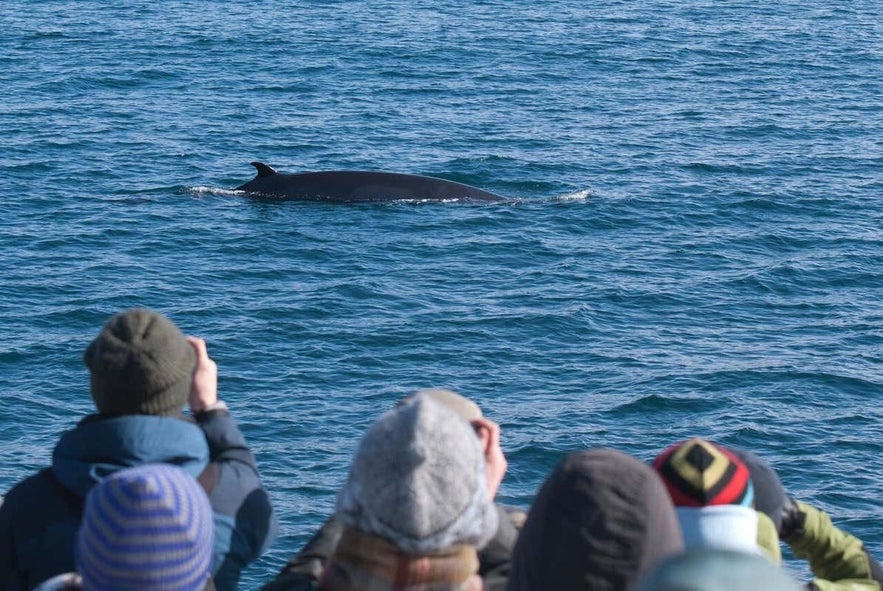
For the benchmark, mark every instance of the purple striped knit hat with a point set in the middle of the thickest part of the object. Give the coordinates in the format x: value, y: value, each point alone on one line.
x: 148, y: 527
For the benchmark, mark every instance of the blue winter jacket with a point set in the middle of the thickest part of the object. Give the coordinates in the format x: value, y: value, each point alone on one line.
x: 40, y: 516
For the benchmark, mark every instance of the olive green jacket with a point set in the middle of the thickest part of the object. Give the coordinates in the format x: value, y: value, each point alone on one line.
x: 837, y: 559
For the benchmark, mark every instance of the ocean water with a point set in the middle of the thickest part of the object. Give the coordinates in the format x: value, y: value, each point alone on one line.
x: 692, y: 244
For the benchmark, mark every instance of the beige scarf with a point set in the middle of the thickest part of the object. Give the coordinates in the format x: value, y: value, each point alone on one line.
x: 363, y: 562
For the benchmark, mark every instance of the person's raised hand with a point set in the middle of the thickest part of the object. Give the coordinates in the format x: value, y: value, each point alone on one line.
x: 792, y: 520
x: 204, y: 386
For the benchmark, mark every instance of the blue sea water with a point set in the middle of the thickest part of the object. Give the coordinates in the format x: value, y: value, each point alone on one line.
x: 692, y: 245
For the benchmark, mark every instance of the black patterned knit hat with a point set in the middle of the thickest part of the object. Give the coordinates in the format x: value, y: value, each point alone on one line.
x: 140, y: 363
x: 698, y: 473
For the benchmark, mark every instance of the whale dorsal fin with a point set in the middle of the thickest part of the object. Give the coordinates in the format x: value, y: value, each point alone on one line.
x: 263, y: 169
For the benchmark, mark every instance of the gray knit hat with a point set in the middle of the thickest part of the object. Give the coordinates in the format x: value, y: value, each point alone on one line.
x: 140, y: 363
x: 453, y: 400
x: 418, y: 480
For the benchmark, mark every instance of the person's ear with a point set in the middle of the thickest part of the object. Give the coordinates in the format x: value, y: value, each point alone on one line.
x: 495, y: 464
x: 484, y: 430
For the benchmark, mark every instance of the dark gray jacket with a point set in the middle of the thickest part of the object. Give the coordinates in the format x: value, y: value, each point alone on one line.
x: 40, y: 516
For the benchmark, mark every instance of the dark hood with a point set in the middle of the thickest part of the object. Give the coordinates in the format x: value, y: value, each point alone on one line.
x: 600, y: 519
x: 769, y: 494
x: 99, y: 446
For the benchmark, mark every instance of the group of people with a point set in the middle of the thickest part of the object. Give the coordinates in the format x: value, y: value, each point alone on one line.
x: 141, y: 496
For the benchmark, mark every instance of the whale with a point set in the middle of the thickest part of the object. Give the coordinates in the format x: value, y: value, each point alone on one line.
x: 355, y: 186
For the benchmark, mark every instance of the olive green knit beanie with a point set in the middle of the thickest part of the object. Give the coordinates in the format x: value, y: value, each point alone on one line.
x: 140, y: 363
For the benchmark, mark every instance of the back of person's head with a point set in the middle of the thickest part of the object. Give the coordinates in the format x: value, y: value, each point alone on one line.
x: 600, y: 519
x: 418, y: 480
x: 148, y: 527
x: 713, y: 493
x: 140, y: 363
x: 716, y: 570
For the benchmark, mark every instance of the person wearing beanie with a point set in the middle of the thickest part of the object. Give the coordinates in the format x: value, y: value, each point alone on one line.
x: 713, y: 495
x: 143, y: 372
x: 838, y: 560
x: 697, y: 471
x: 599, y: 521
x: 306, y: 567
x: 148, y: 527
x: 414, y: 509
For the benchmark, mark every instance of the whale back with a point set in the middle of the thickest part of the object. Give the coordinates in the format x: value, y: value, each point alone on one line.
x: 353, y: 186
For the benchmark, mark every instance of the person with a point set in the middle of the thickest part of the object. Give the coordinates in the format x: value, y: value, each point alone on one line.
x: 838, y: 560
x: 414, y: 508
x: 714, y: 569
x: 713, y: 495
x: 600, y: 520
x: 147, y: 527
x: 306, y: 567
x: 142, y: 372
x: 714, y: 491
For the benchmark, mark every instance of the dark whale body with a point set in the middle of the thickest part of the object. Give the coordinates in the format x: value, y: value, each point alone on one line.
x: 347, y: 186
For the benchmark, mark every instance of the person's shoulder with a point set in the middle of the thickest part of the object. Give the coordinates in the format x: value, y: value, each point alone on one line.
x: 30, y: 490
x: 37, y: 501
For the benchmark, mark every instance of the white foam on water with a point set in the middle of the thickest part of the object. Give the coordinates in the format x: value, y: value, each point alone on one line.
x: 583, y: 195
x: 205, y: 190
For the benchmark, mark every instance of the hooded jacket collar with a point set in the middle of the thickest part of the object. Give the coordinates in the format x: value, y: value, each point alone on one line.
x: 98, y: 446
x: 728, y: 527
